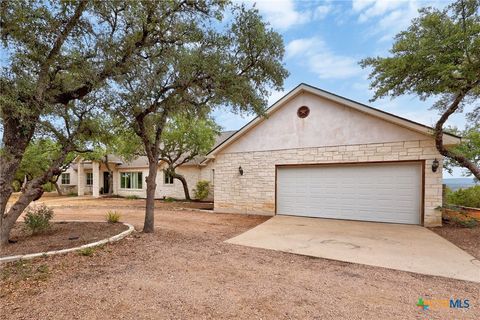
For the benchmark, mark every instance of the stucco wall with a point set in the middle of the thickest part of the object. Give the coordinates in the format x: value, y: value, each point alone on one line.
x: 328, y: 124
x: 72, y: 187
x: 254, y: 192
x: 175, y: 190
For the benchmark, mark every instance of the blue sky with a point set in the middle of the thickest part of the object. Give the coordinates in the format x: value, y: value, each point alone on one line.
x: 324, y: 41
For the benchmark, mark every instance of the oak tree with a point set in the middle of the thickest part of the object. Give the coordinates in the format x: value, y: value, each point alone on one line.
x: 438, y: 57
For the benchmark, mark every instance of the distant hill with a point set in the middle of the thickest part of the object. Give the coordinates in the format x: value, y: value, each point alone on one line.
x: 457, y: 183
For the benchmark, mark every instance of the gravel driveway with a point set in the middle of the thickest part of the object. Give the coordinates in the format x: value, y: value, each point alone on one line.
x: 185, y: 270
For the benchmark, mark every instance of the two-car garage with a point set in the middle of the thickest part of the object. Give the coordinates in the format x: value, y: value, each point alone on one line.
x: 382, y: 192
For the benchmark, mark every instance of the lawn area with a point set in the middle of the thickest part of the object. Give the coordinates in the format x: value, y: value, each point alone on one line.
x: 185, y: 270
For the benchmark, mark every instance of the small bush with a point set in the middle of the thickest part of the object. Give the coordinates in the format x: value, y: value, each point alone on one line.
x: 169, y: 199
x: 87, y: 252
x: 469, y: 197
x: 113, y: 216
x: 48, y: 187
x: 16, y: 185
x: 37, y: 218
x: 465, y: 222
x: 72, y: 194
x: 202, y: 189
x: 132, y: 197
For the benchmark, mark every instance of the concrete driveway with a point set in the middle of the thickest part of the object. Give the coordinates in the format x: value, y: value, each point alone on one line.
x: 395, y: 246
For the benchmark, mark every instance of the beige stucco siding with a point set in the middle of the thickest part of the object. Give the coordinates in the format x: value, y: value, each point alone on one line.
x: 254, y: 192
x: 329, y: 124
x: 175, y: 190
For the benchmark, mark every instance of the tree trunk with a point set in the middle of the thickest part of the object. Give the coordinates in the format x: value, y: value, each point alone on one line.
x: 57, y: 187
x: 33, y: 190
x: 438, y: 134
x: 148, y: 225
x: 110, y: 183
x: 8, y: 220
x: 184, y: 184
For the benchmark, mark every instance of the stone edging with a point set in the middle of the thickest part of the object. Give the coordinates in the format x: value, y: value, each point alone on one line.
x: 115, y: 238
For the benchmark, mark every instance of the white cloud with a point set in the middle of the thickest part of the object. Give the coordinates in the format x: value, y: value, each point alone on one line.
x: 284, y: 14
x: 281, y: 14
x: 378, y: 8
x: 322, y: 11
x: 320, y: 59
x: 389, y: 17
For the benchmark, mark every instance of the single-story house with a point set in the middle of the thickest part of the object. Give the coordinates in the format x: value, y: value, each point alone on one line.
x: 314, y: 154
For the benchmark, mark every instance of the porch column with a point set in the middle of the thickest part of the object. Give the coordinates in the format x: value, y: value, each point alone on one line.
x: 116, y: 175
x: 96, y: 179
x: 80, y: 179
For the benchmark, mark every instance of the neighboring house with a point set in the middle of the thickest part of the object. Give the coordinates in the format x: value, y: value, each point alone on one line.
x: 316, y: 154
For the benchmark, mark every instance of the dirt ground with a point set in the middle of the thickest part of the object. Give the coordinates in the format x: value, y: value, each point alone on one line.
x: 61, y: 235
x: 466, y: 238
x: 185, y: 270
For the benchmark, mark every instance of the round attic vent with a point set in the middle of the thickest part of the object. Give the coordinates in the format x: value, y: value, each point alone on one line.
x: 303, y: 112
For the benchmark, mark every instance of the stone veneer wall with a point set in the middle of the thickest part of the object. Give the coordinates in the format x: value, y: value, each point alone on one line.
x: 254, y: 192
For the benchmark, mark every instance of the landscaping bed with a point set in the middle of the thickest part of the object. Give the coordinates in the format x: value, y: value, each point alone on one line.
x: 62, y: 235
x: 463, y: 237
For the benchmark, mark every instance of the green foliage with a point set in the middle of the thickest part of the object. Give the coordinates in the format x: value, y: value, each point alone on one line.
x: 438, y: 56
x: 169, y: 199
x: 469, y: 197
x: 113, y: 216
x: 72, y: 194
x: 186, y: 136
x: 37, y: 219
x: 469, y: 147
x: 132, y: 197
x: 17, y: 186
x: 38, y: 157
x: 202, y: 189
x: 87, y: 252
x: 48, y: 187
x: 467, y: 222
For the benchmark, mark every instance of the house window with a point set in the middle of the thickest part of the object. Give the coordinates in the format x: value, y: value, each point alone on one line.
x: 65, y: 178
x: 89, y: 178
x: 131, y: 180
x: 213, y: 177
x: 167, y: 178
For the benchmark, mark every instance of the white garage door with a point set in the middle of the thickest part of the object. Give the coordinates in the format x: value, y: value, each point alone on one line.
x: 375, y: 192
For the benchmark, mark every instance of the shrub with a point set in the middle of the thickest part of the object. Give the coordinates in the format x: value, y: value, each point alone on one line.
x: 202, y: 189
x: 16, y: 185
x: 132, y: 197
x: 469, y: 197
x: 37, y: 218
x: 48, y: 187
x: 87, y: 252
x: 169, y: 199
x: 465, y: 222
x: 113, y: 216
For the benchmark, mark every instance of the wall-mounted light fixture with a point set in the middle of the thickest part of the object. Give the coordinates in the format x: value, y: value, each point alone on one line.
x: 435, y: 165
x: 240, y: 170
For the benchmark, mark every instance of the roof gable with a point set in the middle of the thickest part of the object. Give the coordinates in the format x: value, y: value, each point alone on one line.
x: 343, y: 121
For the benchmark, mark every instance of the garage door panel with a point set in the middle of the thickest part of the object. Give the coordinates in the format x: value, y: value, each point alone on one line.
x: 374, y: 192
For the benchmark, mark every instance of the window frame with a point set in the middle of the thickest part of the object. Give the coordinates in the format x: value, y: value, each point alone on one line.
x: 65, y: 178
x: 168, y: 179
x: 87, y: 175
x: 128, y: 178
